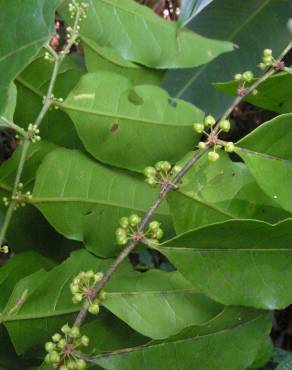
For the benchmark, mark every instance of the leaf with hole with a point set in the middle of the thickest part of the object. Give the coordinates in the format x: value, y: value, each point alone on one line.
x: 150, y: 125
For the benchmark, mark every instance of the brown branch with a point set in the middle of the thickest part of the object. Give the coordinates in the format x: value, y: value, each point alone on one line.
x: 197, y: 155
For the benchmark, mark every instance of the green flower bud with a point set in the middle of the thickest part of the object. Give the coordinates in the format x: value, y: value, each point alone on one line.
x: 50, y: 346
x: 62, y: 343
x: 209, y: 121
x: 47, y: 359
x: 149, y: 171
x: 166, y: 166
x: 78, y: 297
x: 267, y: 60
x: 80, y: 364
x: 89, y: 274
x: 229, y: 147
x: 71, y: 364
x: 84, y: 340
x: 134, y: 220
x: 54, y: 357
x: 225, y: 125
x: 98, y: 276
x: 238, y: 77
x: 65, y: 329
x: 121, y: 232
x: 154, y: 225
x: 158, y: 165
x: 151, y: 181
x: 213, y: 156
x: 74, y: 288
x: 121, y: 240
x: 159, y: 234
x: 262, y: 66
x: 247, y: 76
x: 124, y: 222
x: 202, y: 145
x: 56, y: 337
x: 63, y: 367
x: 198, y: 127
x: 267, y: 53
x: 74, y: 332
x: 175, y: 170
x: 254, y: 92
x: 93, y: 309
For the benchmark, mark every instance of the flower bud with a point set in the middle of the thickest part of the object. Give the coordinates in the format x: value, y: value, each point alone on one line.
x: 80, y: 364
x: 202, y: 145
x: 213, y: 156
x: 124, y: 222
x: 175, y: 170
x: 134, y: 220
x: 121, y: 240
x: 74, y: 332
x: 65, y: 329
x: 198, y: 127
x: 225, y: 125
x: 238, y: 77
x: 154, y: 225
x: 94, y: 309
x: 50, y: 346
x: 229, y: 147
x: 149, y: 171
x: 267, y: 53
x: 56, y: 337
x: 247, y: 76
x: 209, y: 121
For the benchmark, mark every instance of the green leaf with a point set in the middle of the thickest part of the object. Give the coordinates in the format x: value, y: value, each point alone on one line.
x: 239, y: 22
x: 32, y: 85
x: 237, y: 262
x: 190, y: 9
x: 285, y: 364
x: 274, y: 94
x: 106, y: 59
x: 268, y: 155
x: 230, y: 342
x: 84, y: 200
x: 19, y: 47
x: 18, y: 267
x: 131, y: 296
x: 130, y: 126
x: 177, y: 304
x: 141, y: 36
x: 218, y: 192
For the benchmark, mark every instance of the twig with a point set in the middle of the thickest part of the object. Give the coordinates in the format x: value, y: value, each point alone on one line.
x: 26, y: 141
x: 198, y: 154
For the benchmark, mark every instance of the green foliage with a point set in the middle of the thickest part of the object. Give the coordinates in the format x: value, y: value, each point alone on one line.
x: 216, y: 255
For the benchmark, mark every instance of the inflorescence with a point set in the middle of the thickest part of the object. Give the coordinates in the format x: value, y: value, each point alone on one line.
x: 82, y: 288
x: 161, y: 174
x: 63, y: 348
x: 19, y: 197
x: 129, y: 229
x: 213, y: 141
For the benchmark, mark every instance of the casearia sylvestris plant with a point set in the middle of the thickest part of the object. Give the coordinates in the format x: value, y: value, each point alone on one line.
x: 64, y: 349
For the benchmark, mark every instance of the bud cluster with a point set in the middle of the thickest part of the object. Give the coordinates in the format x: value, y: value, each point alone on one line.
x: 208, y: 128
x: 62, y: 348
x: 161, y: 174
x: 75, y: 6
x: 129, y: 229
x: 49, y: 57
x: 33, y: 133
x: 82, y: 288
x: 267, y: 60
x: 20, y: 198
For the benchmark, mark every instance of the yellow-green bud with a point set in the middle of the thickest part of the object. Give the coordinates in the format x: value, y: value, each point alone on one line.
x: 213, y: 156
x: 209, y: 121
x: 225, y: 125
x: 198, y: 127
x: 229, y: 147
